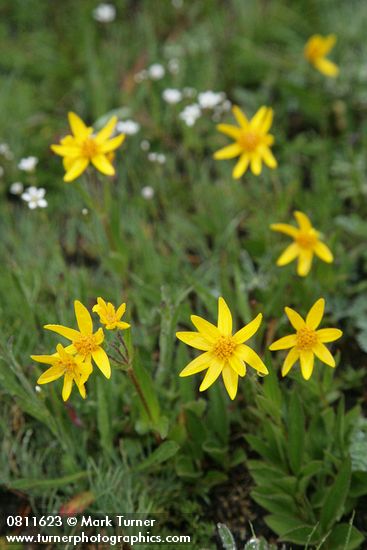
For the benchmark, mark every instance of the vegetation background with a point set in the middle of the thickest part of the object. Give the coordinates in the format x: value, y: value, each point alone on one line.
x: 200, y: 236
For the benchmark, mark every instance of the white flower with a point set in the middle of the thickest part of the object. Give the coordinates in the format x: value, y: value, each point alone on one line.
x: 128, y: 127
x: 157, y: 157
x: 156, y: 71
x: 209, y: 100
x: 171, y: 95
x: 147, y: 192
x: 85, y: 211
x: 145, y: 145
x: 35, y: 197
x: 190, y: 114
x: 104, y: 13
x: 28, y: 164
x: 16, y: 188
x: 5, y: 151
x: 173, y: 66
x: 189, y: 92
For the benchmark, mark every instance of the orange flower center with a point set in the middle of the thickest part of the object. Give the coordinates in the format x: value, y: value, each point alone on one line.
x: 249, y: 141
x: 89, y: 148
x: 67, y: 364
x: 306, y: 240
x: 306, y: 338
x: 86, y: 344
x: 224, y: 347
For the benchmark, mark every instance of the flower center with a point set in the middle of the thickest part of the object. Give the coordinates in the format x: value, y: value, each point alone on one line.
x: 306, y: 338
x: 89, y: 148
x: 224, y: 347
x: 249, y: 141
x: 306, y: 240
x: 86, y: 344
x: 67, y: 364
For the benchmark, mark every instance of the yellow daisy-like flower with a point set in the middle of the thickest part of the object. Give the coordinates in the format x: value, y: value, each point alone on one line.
x: 85, y: 343
x: 72, y: 368
x: 252, y: 141
x: 306, y: 243
x: 83, y: 147
x: 109, y: 316
x: 224, y: 353
x: 315, y: 51
x: 307, y: 342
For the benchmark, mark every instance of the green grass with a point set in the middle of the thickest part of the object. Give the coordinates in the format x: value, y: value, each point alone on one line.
x: 201, y: 236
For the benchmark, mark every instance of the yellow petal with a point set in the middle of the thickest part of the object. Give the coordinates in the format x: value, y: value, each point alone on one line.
x: 66, y: 150
x: 307, y: 360
x: 304, y: 262
x: 85, y: 370
x: 230, y: 379
x: 329, y: 334
x: 268, y: 157
x: 194, y: 339
x: 240, y: 116
x: 103, y: 165
x: 251, y: 357
x: 120, y: 311
x: 294, y: 318
x: 77, y: 126
x: 324, y: 354
x: 68, y: 384
x: 102, y: 362
x: 267, y: 121
x: 228, y: 152
x: 259, y: 117
x: 80, y: 387
x: 289, y: 254
x: 212, y: 374
x: 224, y: 318
x: 112, y: 144
x: 207, y: 330
x: 229, y: 130
x: 47, y: 359
x: 249, y: 330
x: 122, y: 325
x: 315, y: 314
x: 285, y: 228
x: 303, y: 221
x: 99, y: 336
x: 291, y: 358
x: 50, y: 375
x: 83, y: 318
x: 76, y: 168
x: 326, y: 67
x: 241, y: 166
x: 198, y: 364
x: 256, y: 164
x: 284, y: 343
x: 237, y: 365
x: 69, y: 333
x: 323, y: 252
x: 106, y: 130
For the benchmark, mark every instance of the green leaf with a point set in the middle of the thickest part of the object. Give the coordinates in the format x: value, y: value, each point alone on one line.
x: 358, y: 484
x: 276, y: 502
x: 164, y: 452
x: 344, y: 537
x: 296, y: 432
x: 282, y: 523
x: 26, y: 484
x: 103, y: 418
x: 226, y: 537
x: 333, y: 505
x: 303, y: 535
x: 147, y: 388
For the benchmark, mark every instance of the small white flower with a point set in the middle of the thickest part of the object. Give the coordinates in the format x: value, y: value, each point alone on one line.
x: 35, y: 197
x: 85, y: 211
x: 171, y: 95
x: 157, y: 157
x: 5, y: 151
x: 128, y: 127
x: 145, y: 145
x: 28, y: 164
x: 189, y: 92
x: 190, y: 114
x: 173, y: 66
x: 147, y: 192
x: 140, y: 76
x: 209, y: 99
x: 227, y: 105
x: 156, y: 71
x: 38, y: 389
x: 16, y: 188
x: 104, y: 13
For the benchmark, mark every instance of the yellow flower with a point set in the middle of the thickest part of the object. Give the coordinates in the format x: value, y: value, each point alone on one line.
x: 224, y: 353
x: 85, y: 343
x: 73, y: 369
x: 83, y: 147
x: 252, y: 141
x: 316, y: 48
x: 306, y: 243
x: 109, y: 316
x: 307, y: 342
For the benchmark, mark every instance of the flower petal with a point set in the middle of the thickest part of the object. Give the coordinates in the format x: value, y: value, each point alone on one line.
x: 228, y: 152
x: 268, y: 157
x: 249, y: 330
x: 237, y: 365
x: 106, y: 131
x: 329, y: 334
x: 224, y: 318
x: 230, y: 379
x: 216, y: 367
x: 241, y: 166
x: 304, y: 262
x: 285, y: 228
x: 76, y: 168
x: 51, y: 374
x: 315, y: 314
x: 307, y: 361
x: 326, y: 67
x: 240, y: 116
x: 68, y: 384
x: 112, y: 144
x: 324, y: 354
x: 69, y: 333
x: 229, y: 130
x: 77, y: 126
x: 294, y: 318
x: 193, y: 339
x: 102, y: 362
x: 248, y: 355
x: 291, y: 358
x: 66, y: 150
x: 121, y: 310
x: 289, y: 254
x: 303, y: 220
x: 256, y: 165
x: 103, y: 165
x: 258, y: 118
x: 284, y: 343
x: 47, y: 359
x: 198, y: 364
x: 207, y: 330
x: 83, y: 318
x: 323, y: 252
